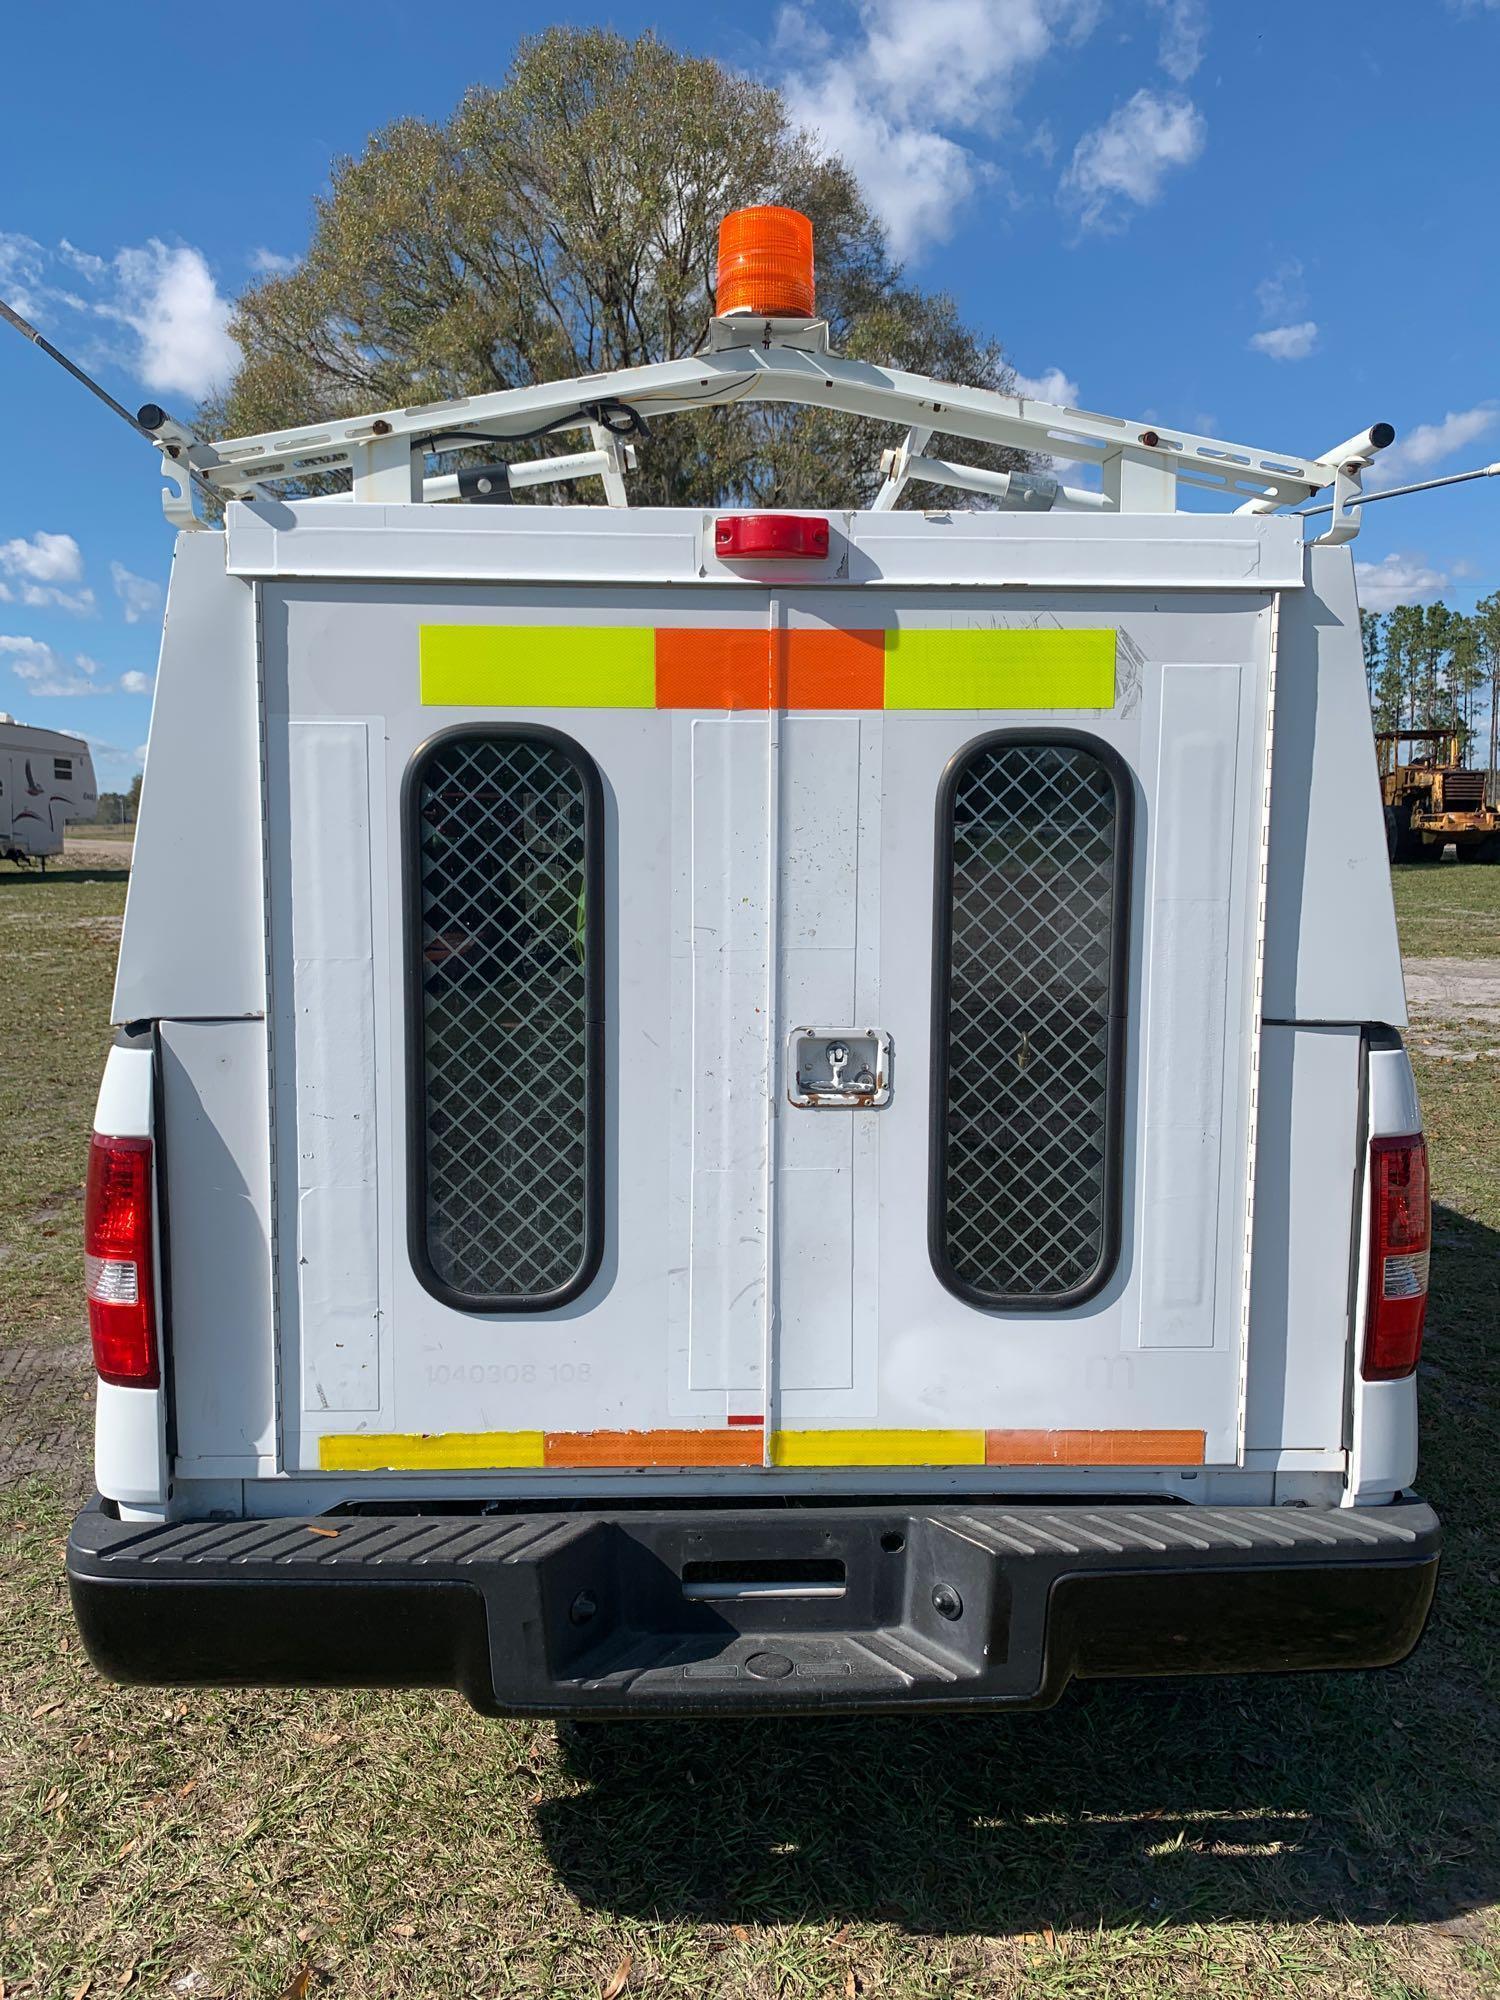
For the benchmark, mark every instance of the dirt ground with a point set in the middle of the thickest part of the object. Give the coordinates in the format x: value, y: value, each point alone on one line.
x: 1454, y: 1005
x: 80, y: 851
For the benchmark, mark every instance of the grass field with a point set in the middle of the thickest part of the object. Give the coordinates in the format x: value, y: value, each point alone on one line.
x: 102, y: 830
x: 1447, y: 909
x: 1319, y: 1837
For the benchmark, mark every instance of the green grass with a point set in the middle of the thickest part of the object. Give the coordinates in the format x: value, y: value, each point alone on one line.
x: 1317, y: 1837
x: 1448, y: 909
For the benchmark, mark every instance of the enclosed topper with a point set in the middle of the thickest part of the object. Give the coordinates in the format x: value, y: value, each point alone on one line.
x: 729, y: 1110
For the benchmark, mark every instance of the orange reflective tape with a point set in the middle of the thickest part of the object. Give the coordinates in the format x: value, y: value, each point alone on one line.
x: 713, y: 669
x: 733, y: 668
x: 627, y: 1450
x: 1093, y: 1447
x: 829, y: 669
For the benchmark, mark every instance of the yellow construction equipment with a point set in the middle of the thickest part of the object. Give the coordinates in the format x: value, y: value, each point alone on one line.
x: 1431, y: 798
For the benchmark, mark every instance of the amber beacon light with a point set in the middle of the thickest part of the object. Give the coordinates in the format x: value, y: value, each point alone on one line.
x: 765, y: 264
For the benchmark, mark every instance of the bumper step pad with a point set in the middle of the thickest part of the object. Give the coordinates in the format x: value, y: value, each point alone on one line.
x: 736, y: 1609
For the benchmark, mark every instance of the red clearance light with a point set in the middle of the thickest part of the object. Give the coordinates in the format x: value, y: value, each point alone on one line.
x: 804, y: 537
x: 765, y: 264
x: 1400, y: 1248
x: 117, y: 1262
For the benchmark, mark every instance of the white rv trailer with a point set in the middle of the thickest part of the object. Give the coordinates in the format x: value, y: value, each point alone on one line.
x: 46, y: 779
x: 730, y: 1110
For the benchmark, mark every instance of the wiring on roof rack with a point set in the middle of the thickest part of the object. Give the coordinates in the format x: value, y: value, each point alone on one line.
x: 621, y: 420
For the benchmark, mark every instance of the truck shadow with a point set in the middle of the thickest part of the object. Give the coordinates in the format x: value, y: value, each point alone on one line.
x: 1367, y: 1797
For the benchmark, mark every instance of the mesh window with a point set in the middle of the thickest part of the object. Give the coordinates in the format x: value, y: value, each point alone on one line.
x: 508, y: 1085
x: 1029, y: 993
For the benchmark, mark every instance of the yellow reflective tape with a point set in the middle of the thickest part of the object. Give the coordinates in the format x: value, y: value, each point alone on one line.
x: 1006, y: 670
x: 877, y: 1447
x: 423, y: 1451
x: 538, y: 666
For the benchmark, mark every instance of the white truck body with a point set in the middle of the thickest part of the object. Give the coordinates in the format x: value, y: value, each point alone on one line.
x: 46, y: 779
x: 815, y: 1093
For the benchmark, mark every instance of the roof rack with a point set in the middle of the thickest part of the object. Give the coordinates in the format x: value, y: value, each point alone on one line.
x: 747, y: 358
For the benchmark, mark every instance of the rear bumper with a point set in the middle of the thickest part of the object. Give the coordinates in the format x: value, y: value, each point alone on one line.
x: 728, y: 1610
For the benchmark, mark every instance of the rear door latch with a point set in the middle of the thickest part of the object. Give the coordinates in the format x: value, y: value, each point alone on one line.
x: 845, y: 1069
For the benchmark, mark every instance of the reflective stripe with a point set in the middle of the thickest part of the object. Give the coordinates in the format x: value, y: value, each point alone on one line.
x: 747, y: 667
x: 1009, y: 670
x: 482, y: 1451
x: 636, y: 1449
x: 997, y: 1447
x: 485, y: 1451
x: 538, y: 666
x: 436, y: 1451
x: 1093, y: 1447
x: 877, y: 1448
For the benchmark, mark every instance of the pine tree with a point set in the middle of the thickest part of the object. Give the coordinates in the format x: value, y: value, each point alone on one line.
x: 1370, y: 639
x: 1486, y: 621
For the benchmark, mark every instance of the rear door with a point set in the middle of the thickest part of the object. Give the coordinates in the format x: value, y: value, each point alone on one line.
x: 1035, y: 872
x: 720, y: 1029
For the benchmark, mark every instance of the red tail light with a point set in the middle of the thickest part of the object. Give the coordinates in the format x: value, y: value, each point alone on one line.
x: 804, y: 536
x: 1400, y: 1246
x: 117, y: 1262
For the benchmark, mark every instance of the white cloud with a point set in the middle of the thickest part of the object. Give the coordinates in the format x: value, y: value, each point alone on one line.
x: 83, y: 261
x: 1051, y: 386
x: 170, y: 301
x: 139, y: 597
x: 48, y: 597
x: 271, y: 263
x: 135, y: 682
x: 1287, y: 343
x: 42, y: 564
x: 164, y: 295
x: 22, y: 272
x: 44, y: 671
x: 1396, y: 579
x: 1283, y: 294
x: 1428, y: 444
x: 1128, y: 157
x: 890, y: 97
x: 43, y: 558
x: 1184, y: 26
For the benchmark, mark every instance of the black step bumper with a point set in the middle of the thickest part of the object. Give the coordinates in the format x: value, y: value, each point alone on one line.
x: 729, y: 1610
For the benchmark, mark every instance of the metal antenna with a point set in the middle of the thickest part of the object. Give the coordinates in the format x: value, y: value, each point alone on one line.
x: 24, y: 327
x: 1416, y: 486
x: 150, y: 412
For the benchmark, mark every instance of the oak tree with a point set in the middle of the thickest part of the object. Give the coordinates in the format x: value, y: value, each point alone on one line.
x: 564, y: 223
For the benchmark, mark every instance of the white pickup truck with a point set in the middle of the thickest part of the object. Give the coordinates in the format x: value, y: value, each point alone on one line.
x: 722, y: 1111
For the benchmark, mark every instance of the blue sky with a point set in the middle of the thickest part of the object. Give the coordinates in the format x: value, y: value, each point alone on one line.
x: 1273, y: 222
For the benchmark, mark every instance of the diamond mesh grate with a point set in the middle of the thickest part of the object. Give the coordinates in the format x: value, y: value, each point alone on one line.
x: 502, y: 862
x: 1025, y: 1173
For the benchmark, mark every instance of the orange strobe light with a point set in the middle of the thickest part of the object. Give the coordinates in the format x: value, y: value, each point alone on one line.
x: 765, y: 264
